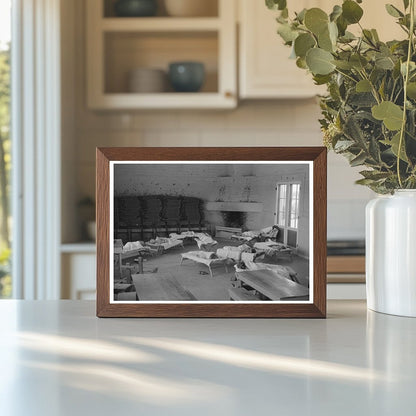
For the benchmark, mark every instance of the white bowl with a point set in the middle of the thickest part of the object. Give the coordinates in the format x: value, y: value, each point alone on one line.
x: 191, y: 8
x: 147, y: 80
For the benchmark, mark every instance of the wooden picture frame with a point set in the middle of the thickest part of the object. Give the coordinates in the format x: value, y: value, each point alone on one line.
x: 313, y: 157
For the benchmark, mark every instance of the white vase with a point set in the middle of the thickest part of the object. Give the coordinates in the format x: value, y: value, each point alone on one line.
x: 391, y: 253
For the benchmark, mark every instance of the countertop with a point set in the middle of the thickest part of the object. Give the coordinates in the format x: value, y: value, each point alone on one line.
x: 57, y: 358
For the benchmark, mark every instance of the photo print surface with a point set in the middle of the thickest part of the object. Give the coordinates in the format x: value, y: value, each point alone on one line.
x: 211, y: 232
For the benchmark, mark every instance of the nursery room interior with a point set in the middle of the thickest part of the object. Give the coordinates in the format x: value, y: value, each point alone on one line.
x: 190, y: 231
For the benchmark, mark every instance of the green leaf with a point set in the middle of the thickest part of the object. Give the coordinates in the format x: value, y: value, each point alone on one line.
x: 358, y: 61
x: 374, y: 150
x: 358, y: 160
x: 301, y: 15
x: 325, y: 42
x: 363, y: 86
x: 342, y: 25
x: 347, y: 37
x: 336, y: 12
x: 321, y: 79
x: 368, y: 36
x: 333, y: 32
x: 344, y: 65
x: 351, y: 11
x: 394, y: 144
x: 388, y: 112
x: 382, y: 89
x: 316, y: 20
x: 374, y: 175
x: 303, y: 43
x: 287, y: 33
x: 393, y: 11
x: 406, y: 4
x: 320, y: 61
x: 301, y: 63
x: 375, y: 35
x: 411, y: 90
x: 343, y: 145
x: 362, y: 99
x: 354, y: 132
x: 412, y: 67
x: 384, y: 62
x: 276, y: 4
x: 365, y: 182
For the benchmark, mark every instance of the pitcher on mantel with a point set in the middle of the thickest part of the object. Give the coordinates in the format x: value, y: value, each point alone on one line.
x: 391, y: 253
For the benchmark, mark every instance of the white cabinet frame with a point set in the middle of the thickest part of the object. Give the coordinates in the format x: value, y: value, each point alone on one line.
x: 224, y: 26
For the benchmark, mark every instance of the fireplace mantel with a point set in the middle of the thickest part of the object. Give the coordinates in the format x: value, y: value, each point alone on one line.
x: 235, y: 206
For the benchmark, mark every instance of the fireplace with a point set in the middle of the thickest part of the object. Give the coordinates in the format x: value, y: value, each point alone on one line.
x: 234, y: 219
x: 233, y: 224
x: 234, y: 215
x: 226, y: 232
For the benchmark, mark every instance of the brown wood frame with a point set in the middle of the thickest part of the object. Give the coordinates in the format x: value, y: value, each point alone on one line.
x: 317, y: 309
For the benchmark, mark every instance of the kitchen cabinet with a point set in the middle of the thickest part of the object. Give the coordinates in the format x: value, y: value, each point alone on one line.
x: 78, y: 263
x: 118, y: 45
x: 265, y: 70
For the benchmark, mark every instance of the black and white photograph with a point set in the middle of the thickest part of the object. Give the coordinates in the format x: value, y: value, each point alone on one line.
x: 211, y: 232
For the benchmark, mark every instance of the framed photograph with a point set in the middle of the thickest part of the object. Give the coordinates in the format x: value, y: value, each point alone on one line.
x: 211, y: 232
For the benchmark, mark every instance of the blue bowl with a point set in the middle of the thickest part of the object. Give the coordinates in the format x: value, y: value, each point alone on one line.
x: 135, y: 8
x: 187, y: 76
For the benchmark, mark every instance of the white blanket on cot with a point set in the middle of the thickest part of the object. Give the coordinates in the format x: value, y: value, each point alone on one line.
x: 204, y: 239
x: 133, y: 245
x: 280, y: 270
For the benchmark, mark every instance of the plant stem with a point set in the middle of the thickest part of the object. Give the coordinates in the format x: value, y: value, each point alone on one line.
x: 406, y: 80
x: 346, y: 75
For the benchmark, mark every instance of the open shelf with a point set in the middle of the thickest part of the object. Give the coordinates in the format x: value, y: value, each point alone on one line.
x: 167, y: 100
x: 160, y: 24
x: 119, y: 45
x: 126, y: 51
x: 210, y: 10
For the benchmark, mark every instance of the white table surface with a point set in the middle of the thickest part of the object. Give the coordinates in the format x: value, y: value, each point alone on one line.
x: 57, y: 358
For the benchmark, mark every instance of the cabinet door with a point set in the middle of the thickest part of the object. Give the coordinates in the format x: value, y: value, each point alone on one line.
x: 78, y: 276
x: 265, y: 68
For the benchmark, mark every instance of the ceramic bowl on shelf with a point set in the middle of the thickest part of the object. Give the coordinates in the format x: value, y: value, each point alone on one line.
x: 135, y: 8
x: 191, y: 8
x: 147, y: 81
x: 186, y: 76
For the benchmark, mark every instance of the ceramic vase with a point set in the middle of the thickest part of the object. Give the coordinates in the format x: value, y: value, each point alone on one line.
x: 135, y: 8
x: 391, y: 253
x: 186, y: 76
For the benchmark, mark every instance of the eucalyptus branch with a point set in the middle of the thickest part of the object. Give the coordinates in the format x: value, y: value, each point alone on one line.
x: 386, y: 97
x: 373, y: 88
x: 346, y: 75
x: 392, y: 91
x: 406, y: 80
